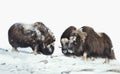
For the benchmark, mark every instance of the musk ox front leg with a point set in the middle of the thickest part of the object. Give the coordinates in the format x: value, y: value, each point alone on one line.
x: 35, y: 49
x: 106, y: 61
x: 85, y: 56
x: 14, y: 49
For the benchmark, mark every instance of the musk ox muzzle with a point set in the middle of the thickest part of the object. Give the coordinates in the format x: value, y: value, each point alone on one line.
x: 36, y: 35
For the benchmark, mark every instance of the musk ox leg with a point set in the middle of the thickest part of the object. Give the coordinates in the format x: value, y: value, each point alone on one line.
x: 35, y: 50
x: 106, y: 61
x: 85, y: 56
x: 14, y: 49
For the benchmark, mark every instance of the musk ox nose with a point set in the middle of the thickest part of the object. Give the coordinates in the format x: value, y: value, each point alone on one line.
x: 70, y: 51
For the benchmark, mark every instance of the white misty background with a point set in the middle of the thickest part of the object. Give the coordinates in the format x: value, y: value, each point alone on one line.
x: 102, y: 15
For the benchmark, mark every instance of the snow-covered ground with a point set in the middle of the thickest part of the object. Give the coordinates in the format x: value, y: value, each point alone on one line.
x: 28, y: 63
x: 102, y: 15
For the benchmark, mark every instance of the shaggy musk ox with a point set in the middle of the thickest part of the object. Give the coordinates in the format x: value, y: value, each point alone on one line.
x: 97, y: 45
x: 37, y: 36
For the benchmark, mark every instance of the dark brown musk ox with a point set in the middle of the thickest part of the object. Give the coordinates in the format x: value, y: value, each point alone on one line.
x: 97, y: 45
x: 36, y: 35
x: 65, y: 39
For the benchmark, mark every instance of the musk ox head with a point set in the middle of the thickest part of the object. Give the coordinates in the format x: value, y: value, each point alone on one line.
x: 76, y: 41
x: 46, y: 36
x: 64, y: 40
x: 36, y: 35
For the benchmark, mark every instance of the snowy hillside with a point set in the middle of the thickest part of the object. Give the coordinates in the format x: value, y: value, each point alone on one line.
x: 27, y: 63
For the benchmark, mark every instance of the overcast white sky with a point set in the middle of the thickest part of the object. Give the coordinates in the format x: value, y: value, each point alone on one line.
x: 102, y: 15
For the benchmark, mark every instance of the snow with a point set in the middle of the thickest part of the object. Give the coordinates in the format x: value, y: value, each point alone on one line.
x: 57, y: 15
x: 28, y: 63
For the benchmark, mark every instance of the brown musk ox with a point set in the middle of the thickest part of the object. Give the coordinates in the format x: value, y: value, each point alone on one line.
x: 36, y: 35
x: 97, y: 45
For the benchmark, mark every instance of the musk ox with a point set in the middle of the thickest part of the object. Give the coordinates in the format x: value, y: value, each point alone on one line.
x: 64, y: 40
x: 97, y: 45
x: 36, y: 35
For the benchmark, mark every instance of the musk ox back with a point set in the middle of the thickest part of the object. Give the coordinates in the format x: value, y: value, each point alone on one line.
x: 97, y: 45
x: 36, y: 35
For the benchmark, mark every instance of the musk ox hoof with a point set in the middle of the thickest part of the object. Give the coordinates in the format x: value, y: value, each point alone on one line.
x: 84, y: 56
x: 35, y: 52
x: 14, y: 50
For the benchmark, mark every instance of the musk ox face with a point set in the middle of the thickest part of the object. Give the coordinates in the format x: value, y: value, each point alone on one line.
x: 65, y: 48
x: 65, y: 40
x: 48, y: 38
x: 37, y: 36
x: 47, y: 49
x: 76, y: 42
